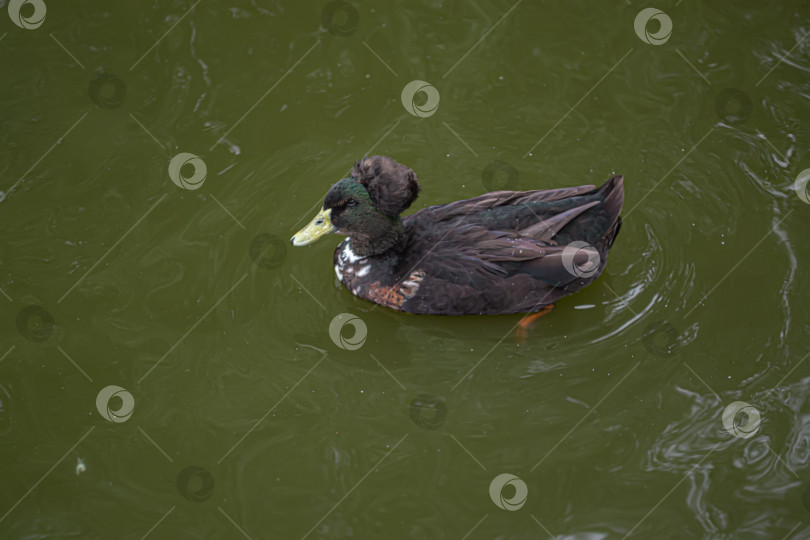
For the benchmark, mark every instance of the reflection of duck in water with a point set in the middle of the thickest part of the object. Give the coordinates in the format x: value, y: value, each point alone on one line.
x: 502, y: 252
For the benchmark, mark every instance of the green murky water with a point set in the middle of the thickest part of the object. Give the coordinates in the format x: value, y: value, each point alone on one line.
x: 175, y: 377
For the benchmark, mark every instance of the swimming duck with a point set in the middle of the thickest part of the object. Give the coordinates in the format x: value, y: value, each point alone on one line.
x: 501, y: 252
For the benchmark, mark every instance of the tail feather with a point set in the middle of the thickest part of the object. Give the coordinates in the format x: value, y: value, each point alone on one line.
x: 614, y: 199
x: 614, y: 195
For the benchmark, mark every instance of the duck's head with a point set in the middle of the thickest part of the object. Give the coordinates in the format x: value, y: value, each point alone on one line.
x: 365, y: 207
x: 347, y: 210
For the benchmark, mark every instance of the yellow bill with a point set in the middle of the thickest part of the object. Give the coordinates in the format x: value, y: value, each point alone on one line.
x: 321, y: 225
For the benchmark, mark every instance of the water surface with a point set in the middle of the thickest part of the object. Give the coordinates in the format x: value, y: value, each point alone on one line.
x: 250, y: 422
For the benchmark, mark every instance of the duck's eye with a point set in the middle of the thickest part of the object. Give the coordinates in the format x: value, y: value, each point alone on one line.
x: 351, y: 202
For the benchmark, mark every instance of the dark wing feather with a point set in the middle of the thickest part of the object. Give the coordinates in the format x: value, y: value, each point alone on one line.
x: 502, y: 252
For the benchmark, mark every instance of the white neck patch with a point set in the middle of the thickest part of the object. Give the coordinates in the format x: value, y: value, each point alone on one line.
x: 349, y: 255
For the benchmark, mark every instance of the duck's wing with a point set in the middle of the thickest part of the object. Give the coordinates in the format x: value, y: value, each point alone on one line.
x: 504, y: 251
x: 476, y: 256
x: 540, y: 214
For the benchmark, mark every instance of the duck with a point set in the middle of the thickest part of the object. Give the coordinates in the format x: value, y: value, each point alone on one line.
x: 503, y: 252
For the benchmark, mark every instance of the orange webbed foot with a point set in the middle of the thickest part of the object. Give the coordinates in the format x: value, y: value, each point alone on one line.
x: 522, y: 331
